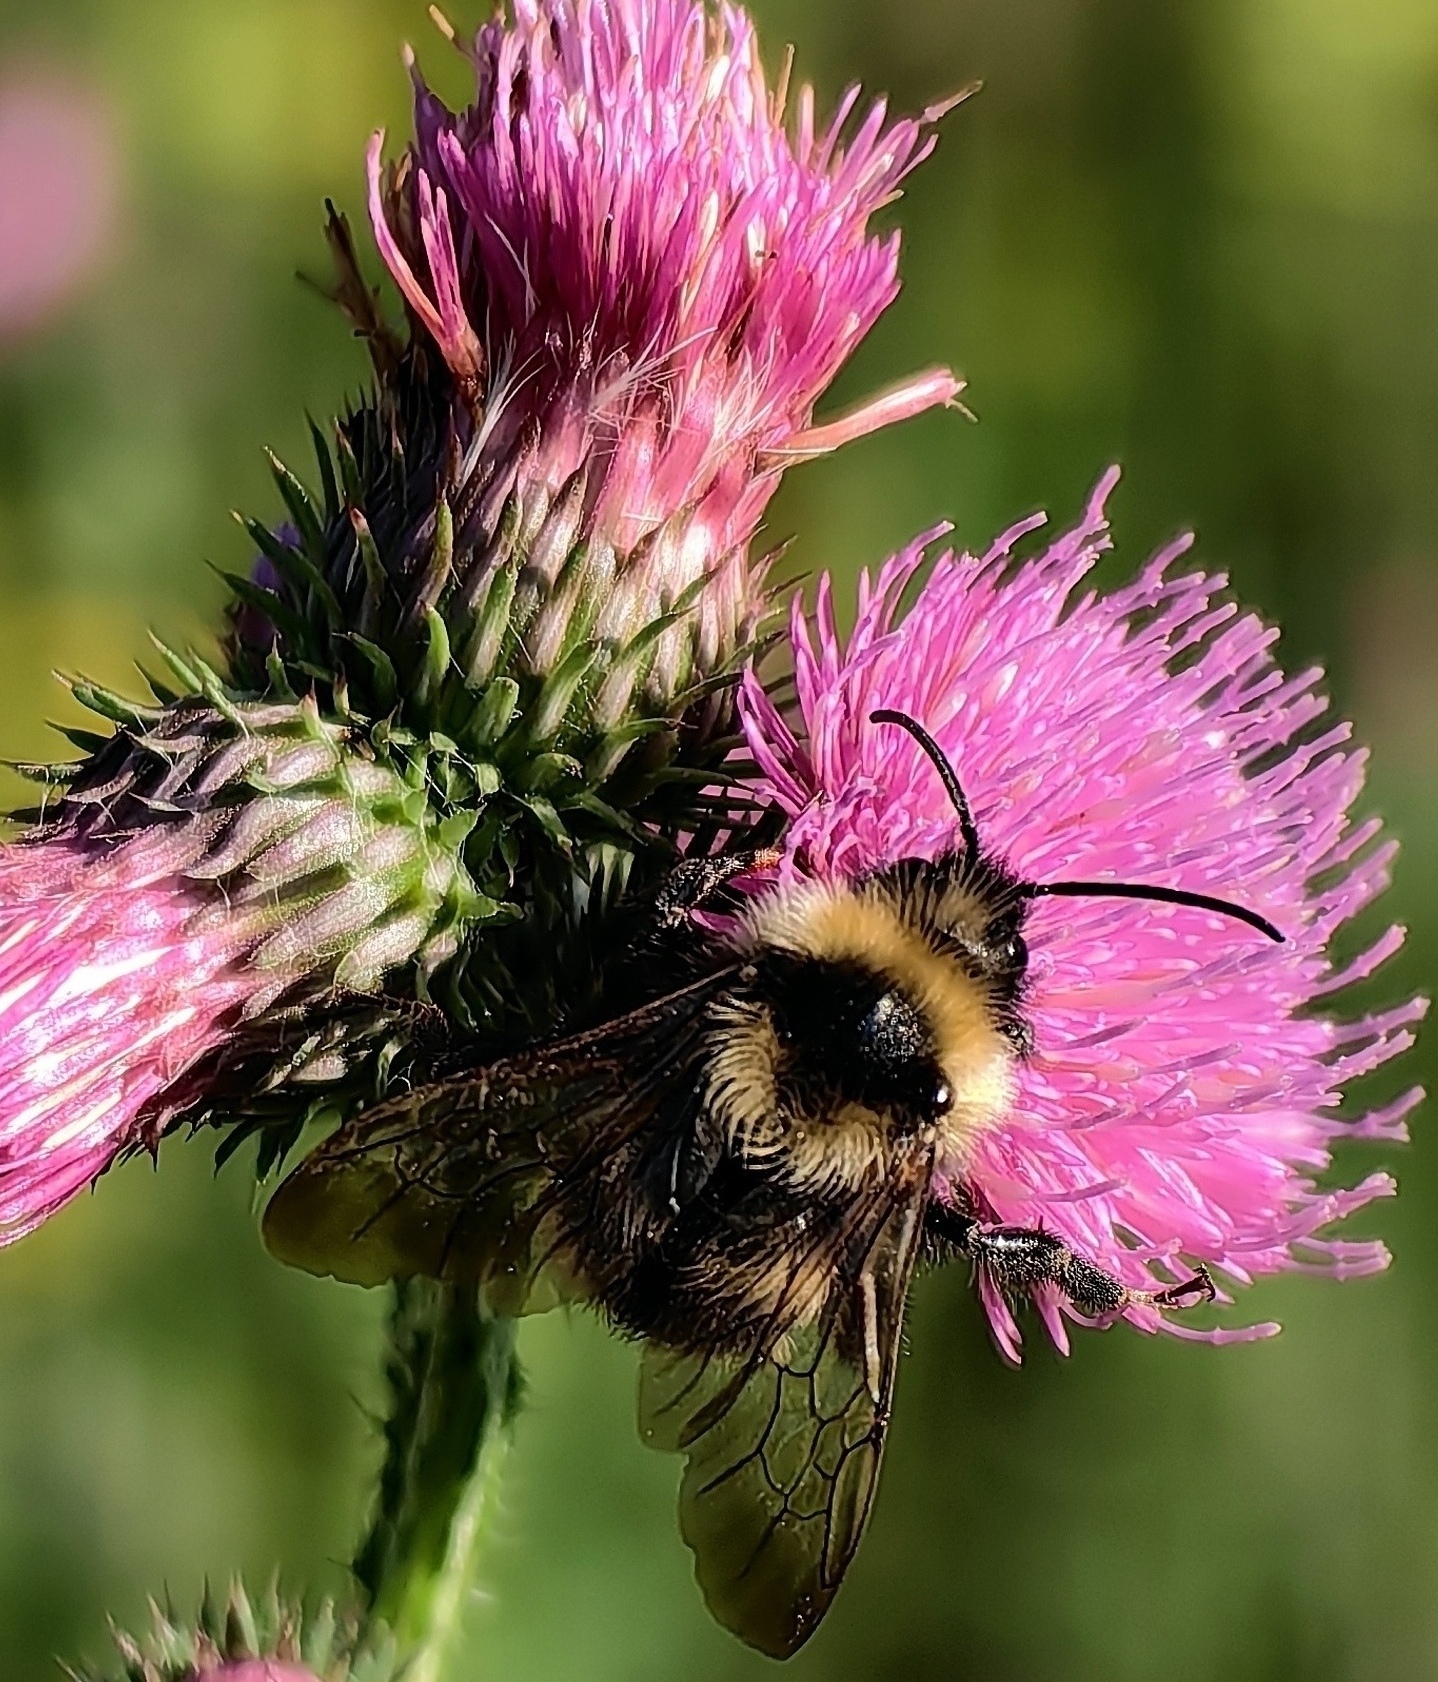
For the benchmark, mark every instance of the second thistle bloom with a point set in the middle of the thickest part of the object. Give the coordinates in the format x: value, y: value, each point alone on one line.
x: 110, y: 988
x: 244, y: 1639
x: 1180, y: 1103
x: 643, y: 279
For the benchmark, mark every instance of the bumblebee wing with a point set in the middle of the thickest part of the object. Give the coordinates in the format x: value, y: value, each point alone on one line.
x: 450, y: 1180
x: 783, y: 1445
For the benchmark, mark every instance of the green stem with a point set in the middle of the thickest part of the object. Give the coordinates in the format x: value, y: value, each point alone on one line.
x: 454, y: 1380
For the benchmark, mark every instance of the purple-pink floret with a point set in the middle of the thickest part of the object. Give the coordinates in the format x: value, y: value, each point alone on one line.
x: 111, y: 986
x: 1182, y: 1100
x: 645, y: 268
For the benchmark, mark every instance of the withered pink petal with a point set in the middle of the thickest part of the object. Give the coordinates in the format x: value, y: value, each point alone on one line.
x: 901, y: 402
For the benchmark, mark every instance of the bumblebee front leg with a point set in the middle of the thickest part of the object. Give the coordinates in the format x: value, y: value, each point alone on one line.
x: 1018, y: 1260
x: 690, y: 885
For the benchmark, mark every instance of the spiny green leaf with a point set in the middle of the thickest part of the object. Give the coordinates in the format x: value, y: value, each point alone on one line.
x: 439, y: 566
x: 96, y: 699
x: 435, y: 663
x: 88, y: 741
x: 701, y: 691
x: 298, y: 570
x: 456, y: 829
x: 487, y: 639
x: 325, y: 462
x: 51, y: 775
x: 350, y: 476
x: 587, y: 801
x: 206, y: 680
x: 606, y: 759
x: 376, y: 580
x: 292, y: 627
x: 541, y: 771
x: 381, y: 669
x: 280, y: 686
x: 548, y: 819
x: 637, y: 647
x: 301, y: 508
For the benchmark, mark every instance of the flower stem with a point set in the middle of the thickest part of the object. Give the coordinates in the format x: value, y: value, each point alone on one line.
x: 454, y: 1381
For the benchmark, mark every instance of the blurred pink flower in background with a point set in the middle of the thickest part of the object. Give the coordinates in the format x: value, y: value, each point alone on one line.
x: 59, y: 191
x: 1182, y: 1098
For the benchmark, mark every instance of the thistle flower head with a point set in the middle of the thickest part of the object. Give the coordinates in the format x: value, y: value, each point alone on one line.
x: 630, y: 279
x: 1180, y: 1102
x: 643, y: 278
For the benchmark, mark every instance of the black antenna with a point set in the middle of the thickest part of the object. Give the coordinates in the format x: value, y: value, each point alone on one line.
x: 1066, y: 890
x: 1166, y: 896
x: 950, y: 778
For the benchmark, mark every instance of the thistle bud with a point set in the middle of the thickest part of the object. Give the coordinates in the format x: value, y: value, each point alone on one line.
x: 242, y: 1640
x: 481, y: 674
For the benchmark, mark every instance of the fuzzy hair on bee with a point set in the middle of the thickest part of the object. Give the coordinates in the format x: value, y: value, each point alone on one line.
x: 877, y: 1009
x: 743, y: 1170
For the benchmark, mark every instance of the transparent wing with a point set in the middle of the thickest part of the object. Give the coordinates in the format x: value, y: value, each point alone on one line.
x: 452, y: 1181
x: 783, y: 1444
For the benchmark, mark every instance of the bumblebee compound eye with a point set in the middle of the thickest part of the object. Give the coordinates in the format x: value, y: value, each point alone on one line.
x: 1004, y: 948
x: 1013, y: 953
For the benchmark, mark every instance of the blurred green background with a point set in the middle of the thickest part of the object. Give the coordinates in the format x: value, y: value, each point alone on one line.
x: 1196, y: 236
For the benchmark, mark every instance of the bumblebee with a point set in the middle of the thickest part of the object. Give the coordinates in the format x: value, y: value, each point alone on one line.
x: 744, y: 1171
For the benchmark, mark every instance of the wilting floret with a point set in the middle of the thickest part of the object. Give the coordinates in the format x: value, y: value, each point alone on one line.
x: 1181, y: 1097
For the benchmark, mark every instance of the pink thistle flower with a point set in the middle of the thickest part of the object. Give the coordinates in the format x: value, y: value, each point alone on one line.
x: 113, y: 981
x: 224, y: 1645
x: 1180, y: 1102
x: 642, y: 281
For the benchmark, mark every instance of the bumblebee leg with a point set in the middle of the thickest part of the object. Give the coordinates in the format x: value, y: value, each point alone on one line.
x: 695, y: 881
x: 1020, y: 1259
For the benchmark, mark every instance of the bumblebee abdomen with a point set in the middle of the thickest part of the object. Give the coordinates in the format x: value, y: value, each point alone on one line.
x: 738, y: 1265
